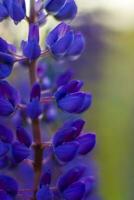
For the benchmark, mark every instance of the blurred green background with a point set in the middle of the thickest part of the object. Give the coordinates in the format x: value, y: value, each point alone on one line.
x: 108, y: 69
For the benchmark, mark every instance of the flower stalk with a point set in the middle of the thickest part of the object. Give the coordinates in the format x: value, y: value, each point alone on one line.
x: 38, y: 148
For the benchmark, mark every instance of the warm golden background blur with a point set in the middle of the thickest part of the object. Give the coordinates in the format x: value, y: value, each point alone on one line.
x: 108, y: 69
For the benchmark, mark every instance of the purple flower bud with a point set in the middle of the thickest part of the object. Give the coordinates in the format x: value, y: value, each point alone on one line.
x: 65, y: 134
x: 61, y: 46
x: 68, y: 11
x: 44, y: 192
x: 71, y: 87
x: 86, y: 143
x: 75, y: 191
x: 6, y: 135
x: 76, y: 102
x: 6, y: 64
x: 6, y: 108
x: 6, y: 59
x: 59, y: 40
x: 63, y: 42
x: 53, y: 6
x: 8, y: 92
x: 34, y: 109
x: 78, y: 124
x: 36, y: 92
x: 71, y: 176
x: 19, y: 152
x: 16, y: 9
x: 33, y: 32
x: 67, y: 151
x: 31, y: 48
x: 3, y: 12
x: 9, y: 185
x: 23, y: 136
x: 68, y: 132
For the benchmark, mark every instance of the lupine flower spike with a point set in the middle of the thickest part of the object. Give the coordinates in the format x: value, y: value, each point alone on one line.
x: 40, y: 165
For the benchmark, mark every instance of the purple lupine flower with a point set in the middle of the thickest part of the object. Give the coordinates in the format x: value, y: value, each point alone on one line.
x: 12, y: 151
x: 23, y: 136
x: 63, y: 42
x: 67, y: 143
x: 70, y: 99
x: 16, y: 9
x: 53, y: 6
x: 3, y: 12
x: 6, y: 59
x: 9, y: 98
x: 19, y: 152
x: 31, y: 48
x: 61, y: 10
x: 34, y: 108
x: 68, y: 11
x: 8, y: 185
x: 72, y: 184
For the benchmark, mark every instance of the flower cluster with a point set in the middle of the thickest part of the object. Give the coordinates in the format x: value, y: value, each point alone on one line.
x: 19, y: 145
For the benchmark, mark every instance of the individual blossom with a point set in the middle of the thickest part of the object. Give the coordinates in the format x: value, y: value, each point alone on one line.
x: 53, y: 6
x: 6, y: 59
x: 16, y: 9
x: 61, y: 10
x: 64, y: 42
x: 23, y: 136
x: 70, y: 99
x: 9, y: 98
x: 31, y: 48
x: 34, y: 108
x: 3, y: 12
x: 8, y: 187
x: 12, y: 151
x: 68, y: 11
x: 69, y: 142
x: 74, y: 184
